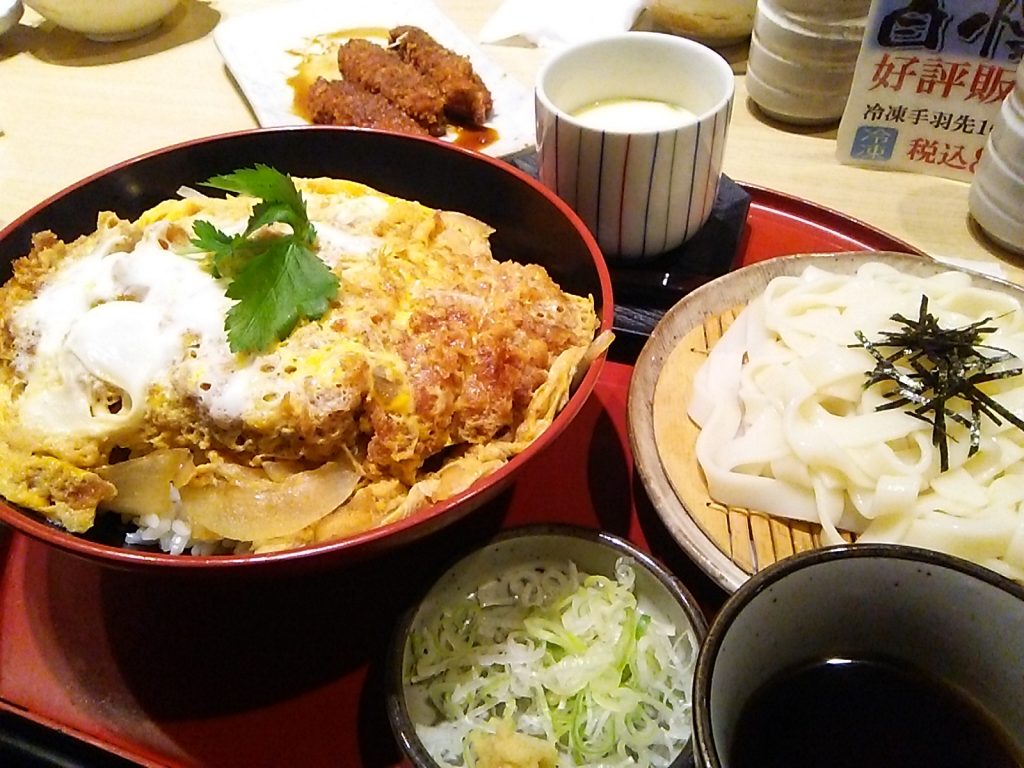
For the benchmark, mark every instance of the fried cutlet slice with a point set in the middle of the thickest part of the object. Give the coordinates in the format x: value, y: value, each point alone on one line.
x: 339, y: 102
x: 382, y: 71
x: 466, y: 98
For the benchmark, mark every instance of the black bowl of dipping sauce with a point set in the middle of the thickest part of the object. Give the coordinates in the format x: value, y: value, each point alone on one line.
x: 862, y: 656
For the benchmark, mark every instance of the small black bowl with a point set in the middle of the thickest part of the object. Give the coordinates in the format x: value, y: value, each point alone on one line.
x: 943, y: 617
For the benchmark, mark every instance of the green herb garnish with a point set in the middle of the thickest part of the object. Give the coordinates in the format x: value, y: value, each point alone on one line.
x: 276, y: 279
x: 935, y: 369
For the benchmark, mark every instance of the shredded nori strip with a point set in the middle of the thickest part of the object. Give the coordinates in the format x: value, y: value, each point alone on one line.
x: 937, y: 372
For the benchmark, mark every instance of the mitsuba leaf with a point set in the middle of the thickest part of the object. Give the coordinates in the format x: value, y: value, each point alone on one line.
x: 209, y: 238
x: 277, y: 279
x: 281, y: 213
x: 274, y: 290
x: 229, y: 252
x: 262, y: 181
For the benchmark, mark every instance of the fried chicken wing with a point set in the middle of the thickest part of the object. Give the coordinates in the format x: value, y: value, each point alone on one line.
x: 384, y: 72
x: 466, y: 98
x: 340, y: 102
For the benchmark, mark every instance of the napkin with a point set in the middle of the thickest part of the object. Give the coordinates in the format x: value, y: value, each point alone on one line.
x: 553, y: 23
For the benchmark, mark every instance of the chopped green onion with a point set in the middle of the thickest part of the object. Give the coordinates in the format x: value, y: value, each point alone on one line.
x: 566, y: 657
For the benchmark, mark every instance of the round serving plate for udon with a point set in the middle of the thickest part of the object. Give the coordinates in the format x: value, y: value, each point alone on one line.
x: 729, y: 543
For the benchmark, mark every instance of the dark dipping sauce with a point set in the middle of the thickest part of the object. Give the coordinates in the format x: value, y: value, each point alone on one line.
x: 866, y: 714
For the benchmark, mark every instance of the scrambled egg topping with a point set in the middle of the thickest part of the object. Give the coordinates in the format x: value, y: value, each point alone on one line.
x: 433, y: 366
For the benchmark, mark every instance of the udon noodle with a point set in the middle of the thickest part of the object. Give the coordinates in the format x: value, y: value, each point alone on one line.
x: 788, y: 426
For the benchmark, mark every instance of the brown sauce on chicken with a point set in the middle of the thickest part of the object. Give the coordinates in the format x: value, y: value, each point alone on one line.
x: 397, y: 80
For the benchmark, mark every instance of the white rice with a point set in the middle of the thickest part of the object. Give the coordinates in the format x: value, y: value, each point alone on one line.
x: 173, y: 534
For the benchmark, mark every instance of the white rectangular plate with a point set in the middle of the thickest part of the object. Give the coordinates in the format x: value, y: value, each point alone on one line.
x: 262, y: 50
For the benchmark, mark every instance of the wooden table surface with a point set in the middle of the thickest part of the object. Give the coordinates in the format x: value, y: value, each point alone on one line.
x: 70, y: 107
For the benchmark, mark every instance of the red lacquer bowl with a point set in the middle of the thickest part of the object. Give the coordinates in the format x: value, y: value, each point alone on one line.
x: 531, y: 225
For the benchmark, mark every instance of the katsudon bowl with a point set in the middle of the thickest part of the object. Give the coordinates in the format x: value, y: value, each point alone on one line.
x: 530, y: 224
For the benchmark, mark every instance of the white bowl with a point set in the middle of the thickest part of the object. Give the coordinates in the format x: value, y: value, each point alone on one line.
x: 105, y: 20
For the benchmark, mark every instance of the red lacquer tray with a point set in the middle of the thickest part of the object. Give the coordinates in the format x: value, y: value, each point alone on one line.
x: 253, y: 671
